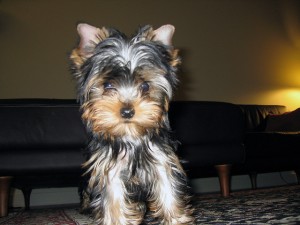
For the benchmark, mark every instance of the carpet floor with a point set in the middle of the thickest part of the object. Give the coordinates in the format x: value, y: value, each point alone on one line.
x: 280, y: 205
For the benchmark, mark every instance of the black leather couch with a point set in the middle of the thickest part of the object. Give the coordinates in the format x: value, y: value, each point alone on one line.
x: 42, y: 142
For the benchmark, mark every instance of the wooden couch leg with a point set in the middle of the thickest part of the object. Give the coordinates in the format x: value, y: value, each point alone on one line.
x: 4, y: 195
x: 224, y: 178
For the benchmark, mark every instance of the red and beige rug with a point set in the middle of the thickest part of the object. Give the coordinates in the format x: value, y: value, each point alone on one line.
x: 50, y: 216
x: 279, y: 205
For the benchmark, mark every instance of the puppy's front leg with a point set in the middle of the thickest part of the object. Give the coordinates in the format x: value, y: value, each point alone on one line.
x: 118, y: 206
x: 169, y: 200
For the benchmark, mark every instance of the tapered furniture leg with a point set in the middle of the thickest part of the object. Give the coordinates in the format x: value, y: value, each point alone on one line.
x: 224, y: 178
x: 297, y: 171
x: 26, y: 194
x: 253, y: 178
x: 4, y: 195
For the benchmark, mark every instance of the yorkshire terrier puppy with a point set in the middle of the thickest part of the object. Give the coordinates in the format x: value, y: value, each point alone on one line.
x: 124, y: 88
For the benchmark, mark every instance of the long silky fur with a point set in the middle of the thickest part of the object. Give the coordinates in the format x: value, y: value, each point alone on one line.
x: 141, y: 167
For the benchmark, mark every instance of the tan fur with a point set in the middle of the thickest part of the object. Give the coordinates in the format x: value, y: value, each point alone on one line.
x: 147, y: 115
x: 175, y: 59
x: 102, y: 34
x: 77, y: 58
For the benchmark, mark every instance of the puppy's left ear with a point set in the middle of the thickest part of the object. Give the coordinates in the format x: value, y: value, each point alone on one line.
x: 164, y: 34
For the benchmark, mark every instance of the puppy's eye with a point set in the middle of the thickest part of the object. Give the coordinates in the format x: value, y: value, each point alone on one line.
x: 145, y: 87
x: 108, y: 85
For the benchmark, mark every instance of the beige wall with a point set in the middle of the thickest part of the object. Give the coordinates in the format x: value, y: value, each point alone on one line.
x: 240, y: 51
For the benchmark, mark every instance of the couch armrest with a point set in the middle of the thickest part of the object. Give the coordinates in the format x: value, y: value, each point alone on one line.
x: 288, y: 122
x: 255, y: 115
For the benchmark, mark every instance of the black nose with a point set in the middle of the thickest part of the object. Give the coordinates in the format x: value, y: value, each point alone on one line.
x: 127, y: 113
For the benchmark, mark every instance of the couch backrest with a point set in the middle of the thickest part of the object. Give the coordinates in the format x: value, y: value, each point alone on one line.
x: 43, y: 123
x: 47, y: 123
x: 200, y: 122
x: 255, y: 115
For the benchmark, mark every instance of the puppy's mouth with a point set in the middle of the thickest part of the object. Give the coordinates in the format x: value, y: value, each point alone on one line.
x: 127, y: 121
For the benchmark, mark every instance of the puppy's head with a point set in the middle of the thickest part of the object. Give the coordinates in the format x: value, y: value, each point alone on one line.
x: 125, y: 84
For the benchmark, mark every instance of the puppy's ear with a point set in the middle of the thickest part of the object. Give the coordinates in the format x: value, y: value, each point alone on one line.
x: 90, y: 36
x: 164, y: 34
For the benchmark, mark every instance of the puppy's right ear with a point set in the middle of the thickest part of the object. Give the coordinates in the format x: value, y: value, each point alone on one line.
x: 90, y: 36
x: 164, y: 34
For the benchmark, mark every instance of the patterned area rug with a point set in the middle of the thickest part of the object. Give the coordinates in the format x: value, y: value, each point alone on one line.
x: 265, y: 206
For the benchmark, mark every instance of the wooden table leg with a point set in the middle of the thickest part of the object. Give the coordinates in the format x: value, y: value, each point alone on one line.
x: 4, y: 195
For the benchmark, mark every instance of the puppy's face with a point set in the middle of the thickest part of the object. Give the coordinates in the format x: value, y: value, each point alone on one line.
x: 124, y: 85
